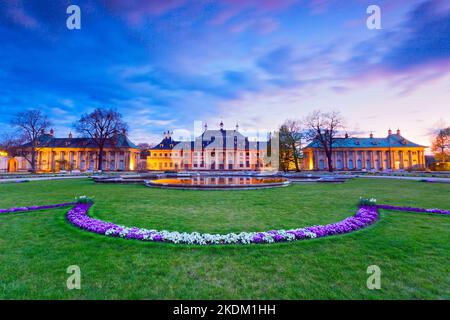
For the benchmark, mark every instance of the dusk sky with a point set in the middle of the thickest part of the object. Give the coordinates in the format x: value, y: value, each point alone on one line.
x: 167, y: 63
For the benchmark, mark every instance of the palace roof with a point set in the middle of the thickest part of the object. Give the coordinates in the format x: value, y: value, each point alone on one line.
x: 391, y: 141
x: 49, y: 141
x: 212, y: 139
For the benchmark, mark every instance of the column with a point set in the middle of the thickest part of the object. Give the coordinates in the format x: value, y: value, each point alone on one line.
x: 392, y: 156
x: 372, y: 160
x: 409, y: 158
x: 345, y: 160
x: 400, y: 159
x: 363, y: 159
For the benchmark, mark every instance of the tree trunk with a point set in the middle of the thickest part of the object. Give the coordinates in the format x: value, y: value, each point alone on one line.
x: 100, y: 159
x: 330, y: 162
x: 297, y: 168
x: 33, y: 160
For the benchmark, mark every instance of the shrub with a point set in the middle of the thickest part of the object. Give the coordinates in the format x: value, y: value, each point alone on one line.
x: 84, y: 199
x: 367, y: 202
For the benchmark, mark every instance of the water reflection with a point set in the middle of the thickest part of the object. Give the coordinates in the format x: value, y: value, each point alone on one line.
x: 219, y: 181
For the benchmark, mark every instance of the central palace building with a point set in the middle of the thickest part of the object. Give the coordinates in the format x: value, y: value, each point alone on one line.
x: 212, y: 150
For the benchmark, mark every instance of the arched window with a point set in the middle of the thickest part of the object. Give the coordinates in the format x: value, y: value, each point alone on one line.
x: 350, y: 164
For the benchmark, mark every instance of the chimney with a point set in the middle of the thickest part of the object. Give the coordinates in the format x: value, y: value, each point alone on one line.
x: 52, y: 132
x: 237, y: 127
x: 398, y: 131
x: 165, y: 135
x: 346, y: 135
x: 371, y: 135
x: 70, y: 135
x: 389, y: 132
x: 206, y: 126
x: 221, y: 125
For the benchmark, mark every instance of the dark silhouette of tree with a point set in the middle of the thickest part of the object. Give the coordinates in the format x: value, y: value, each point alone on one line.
x: 291, y: 137
x: 102, y: 126
x: 323, y: 127
x: 31, y: 125
x: 440, y: 145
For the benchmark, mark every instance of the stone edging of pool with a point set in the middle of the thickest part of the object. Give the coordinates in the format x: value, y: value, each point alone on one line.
x: 260, y: 181
x: 78, y: 216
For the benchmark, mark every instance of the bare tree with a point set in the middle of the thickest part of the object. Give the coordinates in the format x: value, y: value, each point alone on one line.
x: 441, y: 145
x: 291, y: 137
x: 102, y: 126
x: 323, y: 128
x: 9, y: 143
x: 30, y: 126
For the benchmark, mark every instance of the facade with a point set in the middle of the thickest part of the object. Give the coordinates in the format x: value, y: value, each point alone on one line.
x: 212, y: 150
x: 4, y: 161
x: 81, y: 154
x: 391, y: 153
x: 12, y: 164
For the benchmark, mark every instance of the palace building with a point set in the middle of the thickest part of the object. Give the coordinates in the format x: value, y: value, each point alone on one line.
x: 80, y: 154
x: 393, y: 152
x: 212, y: 150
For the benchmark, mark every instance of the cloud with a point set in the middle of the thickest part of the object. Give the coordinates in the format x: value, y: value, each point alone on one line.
x: 135, y: 12
x: 425, y: 38
x: 16, y: 14
x: 414, y: 53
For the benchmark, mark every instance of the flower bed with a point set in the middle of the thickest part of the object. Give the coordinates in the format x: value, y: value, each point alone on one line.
x: 34, y: 208
x: 411, y: 209
x: 78, y: 216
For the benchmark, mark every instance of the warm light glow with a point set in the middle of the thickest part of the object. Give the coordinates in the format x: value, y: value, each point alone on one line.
x: 3, y: 154
x: 131, y: 163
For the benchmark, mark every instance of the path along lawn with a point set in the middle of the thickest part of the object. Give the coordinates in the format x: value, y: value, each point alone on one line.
x: 412, y: 249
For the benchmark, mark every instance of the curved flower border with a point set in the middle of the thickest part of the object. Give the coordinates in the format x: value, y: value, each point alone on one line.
x: 78, y: 216
x: 34, y: 208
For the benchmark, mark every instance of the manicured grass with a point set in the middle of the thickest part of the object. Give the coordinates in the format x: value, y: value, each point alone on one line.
x: 411, y: 249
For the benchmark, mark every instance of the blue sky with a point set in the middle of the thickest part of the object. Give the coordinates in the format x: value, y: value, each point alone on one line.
x: 167, y: 63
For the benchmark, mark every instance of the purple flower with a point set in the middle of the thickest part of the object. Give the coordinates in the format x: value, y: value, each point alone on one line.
x: 78, y: 216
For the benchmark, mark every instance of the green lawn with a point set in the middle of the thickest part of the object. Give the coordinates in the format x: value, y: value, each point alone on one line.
x: 411, y: 249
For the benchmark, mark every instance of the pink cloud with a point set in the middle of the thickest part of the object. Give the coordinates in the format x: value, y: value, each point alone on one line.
x: 135, y: 11
x: 407, y: 81
x: 259, y: 7
x: 18, y: 15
